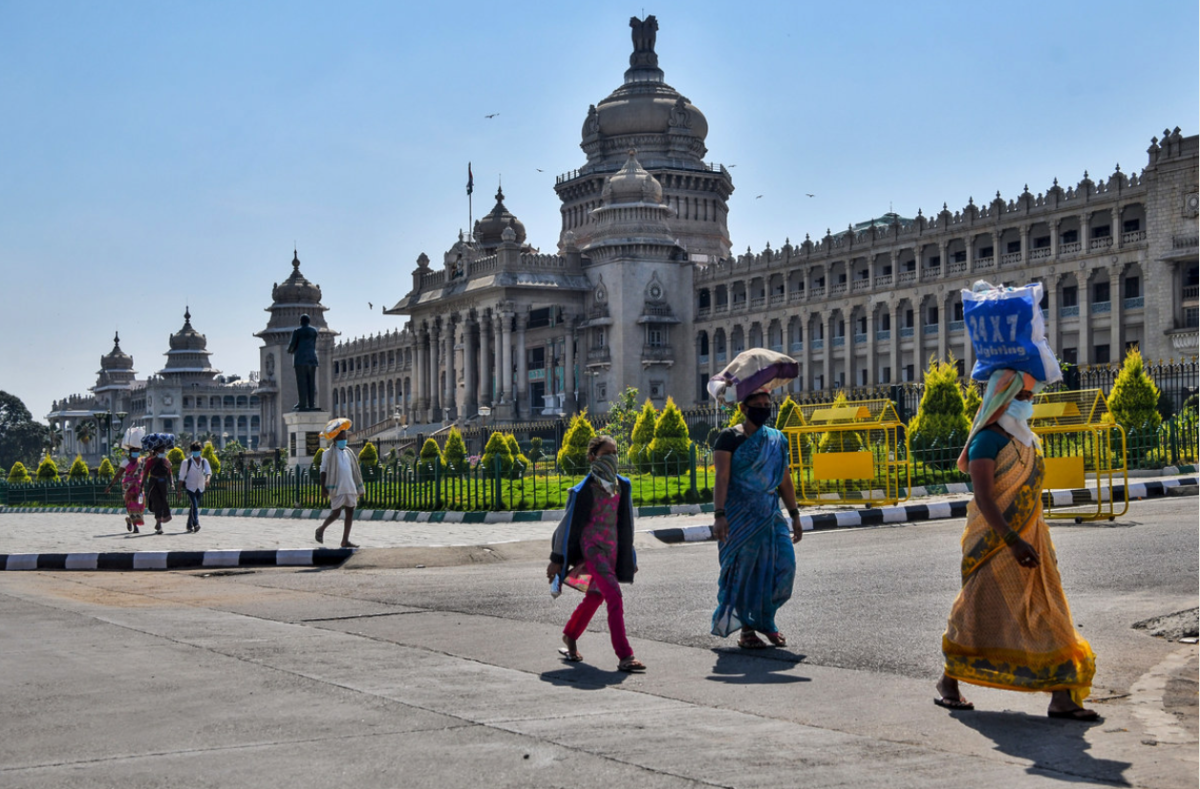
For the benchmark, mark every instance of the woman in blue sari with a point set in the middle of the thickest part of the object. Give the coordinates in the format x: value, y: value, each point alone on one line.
x: 758, y: 562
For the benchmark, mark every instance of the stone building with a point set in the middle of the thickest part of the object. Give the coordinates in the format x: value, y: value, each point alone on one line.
x: 187, y: 396
x: 870, y: 305
x: 276, y: 388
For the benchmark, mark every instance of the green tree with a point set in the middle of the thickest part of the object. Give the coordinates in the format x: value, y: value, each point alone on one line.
x: 430, y: 463
x: 47, y: 471
x: 736, y: 418
x: 20, y: 437
x: 971, y: 400
x: 316, y: 461
x: 941, y: 419
x: 79, y: 469
x: 622, y: 419
x: 368, y: 456
x: 85, y: 433
x: 785, y: 411
x: 106, y: 469
x: 230, y: 453
x: 535, y: 449
x: 1133, y: 400
x: 455, y: 454
x: 642, y: 436
x: 209, y: 453
x: 18, y: 474
x: 176, y: 456
x: 520, y: 461
x: 572, y: 458
x: 671, y: 447
x: 496, y: 453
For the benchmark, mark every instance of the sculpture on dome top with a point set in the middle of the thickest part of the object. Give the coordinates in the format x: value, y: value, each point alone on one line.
x: 644, y: 35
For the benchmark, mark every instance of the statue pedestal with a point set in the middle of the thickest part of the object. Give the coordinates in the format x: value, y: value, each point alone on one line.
x: 304, y: 435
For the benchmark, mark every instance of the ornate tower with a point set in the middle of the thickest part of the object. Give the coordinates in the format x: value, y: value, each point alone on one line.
x: 668, y: 132
x: 115, y: 378
x: 276, y: 390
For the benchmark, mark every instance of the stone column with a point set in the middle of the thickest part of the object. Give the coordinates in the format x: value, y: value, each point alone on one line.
x: 872, y: 369
x: 470, y: 366
x: 506, y: 357
x: 435, y: 368
x: 497, y: 360
x: 523, y: 411
x: 827, y: 368
x: 421, y: 376
x: 1052, y: 319
x: 1116, y: 227
x: 897, y: 357
x: 450, y: 391
x: 1116, y: 332
x: 485, y: 359
x: 1024, y: 245
x: 943, y: 247
x: 943, y: 326
x: 1085, y: 236
x: 997, y: 251
x: 569, y: 387
x: 1085, y: 316
x: 970, y: 253
x: 1054, y: 232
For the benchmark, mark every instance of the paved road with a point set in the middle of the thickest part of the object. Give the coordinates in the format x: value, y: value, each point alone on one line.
x: 447, y: 676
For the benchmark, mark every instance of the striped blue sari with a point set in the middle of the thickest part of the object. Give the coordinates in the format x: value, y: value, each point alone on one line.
x: 758, y: 561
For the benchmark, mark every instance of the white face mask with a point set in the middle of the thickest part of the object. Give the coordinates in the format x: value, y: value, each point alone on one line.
x: 1021, y: 410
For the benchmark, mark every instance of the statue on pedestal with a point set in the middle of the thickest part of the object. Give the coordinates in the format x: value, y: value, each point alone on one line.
x: 303, y: 348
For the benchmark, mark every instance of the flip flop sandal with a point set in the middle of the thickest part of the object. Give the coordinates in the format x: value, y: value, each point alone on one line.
x: 1080, y: 714
x: 777, y: 639
x: 569, y: 656
x: 631, y: 666
x: 128, y: 525
x: 319, y: 537
x: 954, y: 704
x: 349, y: 545
x: 751, y: 642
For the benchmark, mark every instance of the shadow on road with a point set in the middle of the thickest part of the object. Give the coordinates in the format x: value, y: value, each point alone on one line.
x: 581, y: 676
x: 741, y: 668
x: 1057, y: 748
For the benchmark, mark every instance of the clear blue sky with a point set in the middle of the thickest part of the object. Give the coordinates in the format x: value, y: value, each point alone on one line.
x: 161, y: 154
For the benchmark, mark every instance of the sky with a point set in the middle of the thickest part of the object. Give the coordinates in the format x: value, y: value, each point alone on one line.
x: 157, y: 156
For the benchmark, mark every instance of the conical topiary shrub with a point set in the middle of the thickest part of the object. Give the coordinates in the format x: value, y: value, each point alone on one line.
x: 572, y: 458
x: 520, y: 462
x: 429, y: 463
x: 210, y: 454
x: 18, y: 474
x: 79, y: 469
x: 941, y: 420
x: 175, y: 455
x: 785, y: 411
x: 1133, y: 400
x: 671, y: 447
x: 496, y: 457
x: 368, y: 456
x: 643, y: 434
x: 454, y: 456
x: 972, y: 399
x: 106, y: 469
x: 316, y: 461
x: 47, y: 471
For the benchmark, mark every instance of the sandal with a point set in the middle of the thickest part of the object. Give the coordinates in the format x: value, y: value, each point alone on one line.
x: 777, y: 639
x: 631, y: 665
x: 319, y: 536
x: 128, y: 524
x: 751, y: 640
x: 349, y: 545
x: 570, y: 652
x: 957, y: 703
x: 1077, y: 714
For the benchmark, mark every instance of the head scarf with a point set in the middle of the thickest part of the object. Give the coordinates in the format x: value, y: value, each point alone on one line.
x: 604, y: 471
x: 334, y: 427
x: 1002, y: 387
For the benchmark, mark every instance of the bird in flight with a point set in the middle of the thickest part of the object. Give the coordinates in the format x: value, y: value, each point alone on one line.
x: 370, y: 306
x: 733, y: 165
x: 758, y: 198
x: 806, y: 194
x: 493, y: 115
x: 538, y: 169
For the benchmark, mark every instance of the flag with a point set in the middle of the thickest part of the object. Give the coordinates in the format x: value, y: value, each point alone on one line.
x: 470, y: 180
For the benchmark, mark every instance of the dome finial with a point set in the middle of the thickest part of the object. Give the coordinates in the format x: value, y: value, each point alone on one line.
x: 117, y: 339
x: 295, y: 260
x: 187, y: 314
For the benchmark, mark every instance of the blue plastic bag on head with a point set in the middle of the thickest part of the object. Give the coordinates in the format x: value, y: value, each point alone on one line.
x: 1008, y: 331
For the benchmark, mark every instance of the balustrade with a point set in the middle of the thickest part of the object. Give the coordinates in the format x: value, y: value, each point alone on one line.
x: 1070, y: 247
x: 1039, y: 254
x: 883, y: 334
x: 983, y: 264
x: 1104, y: 242
x: 839, y: 342
x: 956, y: 326
x: 883, y: 280
x: 837, y: 289
x: 956, y: 267
x: 1069, y: 312
x: 1135, y: 303
x: 906, y: 331
x: 859, y: 339
x: 703, y: 312
x: 1101, y: 307
x: 1133, y: 237
x: 859, y: 285
x: 1010, y: 259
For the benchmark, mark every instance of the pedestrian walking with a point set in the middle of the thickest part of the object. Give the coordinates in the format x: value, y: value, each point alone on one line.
x: 194, y: 473
x: 341, y: 480
x: 129, y: 474
x: 755, y: 544
x: 158, y: 478
x: 592, y: 551
x: 1010, y: 626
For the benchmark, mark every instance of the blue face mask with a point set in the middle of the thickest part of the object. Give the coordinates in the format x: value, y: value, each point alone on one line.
x: 134, y: 454
x: 195, y: 454
x: 341, y: 443
x: 1020, y: 410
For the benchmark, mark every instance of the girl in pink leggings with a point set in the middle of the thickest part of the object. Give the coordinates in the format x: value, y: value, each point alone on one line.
x: 592, y: 551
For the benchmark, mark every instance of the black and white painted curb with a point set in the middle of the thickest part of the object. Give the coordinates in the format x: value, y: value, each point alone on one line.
x: 914, y: 513
x: 174, y: 560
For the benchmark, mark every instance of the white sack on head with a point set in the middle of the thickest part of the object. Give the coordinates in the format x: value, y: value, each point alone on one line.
x: 750, y: 371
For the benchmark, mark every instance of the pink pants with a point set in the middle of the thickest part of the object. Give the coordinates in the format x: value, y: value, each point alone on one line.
x: 601, y: 591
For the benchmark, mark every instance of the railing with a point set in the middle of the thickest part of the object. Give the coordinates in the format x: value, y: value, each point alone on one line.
x: 859, y: 285
x: 930, y: 328
x: 1040, y: 253
x: 1104, y: 242
x: 883, y: 334
x: 1185, y: 242
x: 1010, y: 259
x: 817, y: 293
x: 758, y: 301
x: 795, y: 296
x: 955, y: 326
x: 720, y: 308
x: 837, y: 289
x: 704, y: 358
x: 1101, y: 307
x: 1133, y: 236
x: 777, y: 298
x: 859, y: 339
x: 883, y: 280
x: 906, y: 331
x: 703, y: 312
x: 1070, y: 247
x: 599, y: 355
x: 839, y: 342
x: 777, y: 347
x: 906, y: 278
x: 738, y: 305
x: 956, y: 267
x: 1191, y: 292
x: 982, y: 264
x: 797, y: 347
x: 539, y: 373
x: 658, y: 353
x: 1069, y: 312
x: 720, y: 356
x: 816, y: 345
x: 1135, y: 303
x: 929, y: 272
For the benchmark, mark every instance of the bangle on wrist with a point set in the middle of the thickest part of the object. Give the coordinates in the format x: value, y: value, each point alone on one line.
x: 719, y: 513
x: 1010, y: 537
x: 794, y: 512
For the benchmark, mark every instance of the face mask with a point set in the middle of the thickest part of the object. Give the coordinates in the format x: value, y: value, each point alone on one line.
x: 758, y: 415
x: 1020, y: 410
x: 341, y: 443
x: 604, y: 468
x: 134, y: 454
x: 196, y: 454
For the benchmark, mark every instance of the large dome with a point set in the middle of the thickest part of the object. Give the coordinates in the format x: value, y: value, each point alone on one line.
x: 631, y: 184
x: 116, y: 359
x: 489, y: 231
x: 187, y: 338
x: 296, y: 289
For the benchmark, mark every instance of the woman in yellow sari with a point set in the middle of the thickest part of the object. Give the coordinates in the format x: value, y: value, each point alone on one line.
x: 1010, y: 626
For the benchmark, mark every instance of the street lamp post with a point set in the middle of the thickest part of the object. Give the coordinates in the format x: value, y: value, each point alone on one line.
x: 104, y: 422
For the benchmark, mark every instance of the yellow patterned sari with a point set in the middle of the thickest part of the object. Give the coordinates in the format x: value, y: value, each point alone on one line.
x: 1010, y: 626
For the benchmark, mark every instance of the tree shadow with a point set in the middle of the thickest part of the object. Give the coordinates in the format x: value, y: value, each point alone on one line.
x: 743, y: 667
x: 1057, y: 748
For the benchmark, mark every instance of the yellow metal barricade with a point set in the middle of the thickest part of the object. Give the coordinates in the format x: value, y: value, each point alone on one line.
x: 848, y: 453
x: 1081, y: 444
